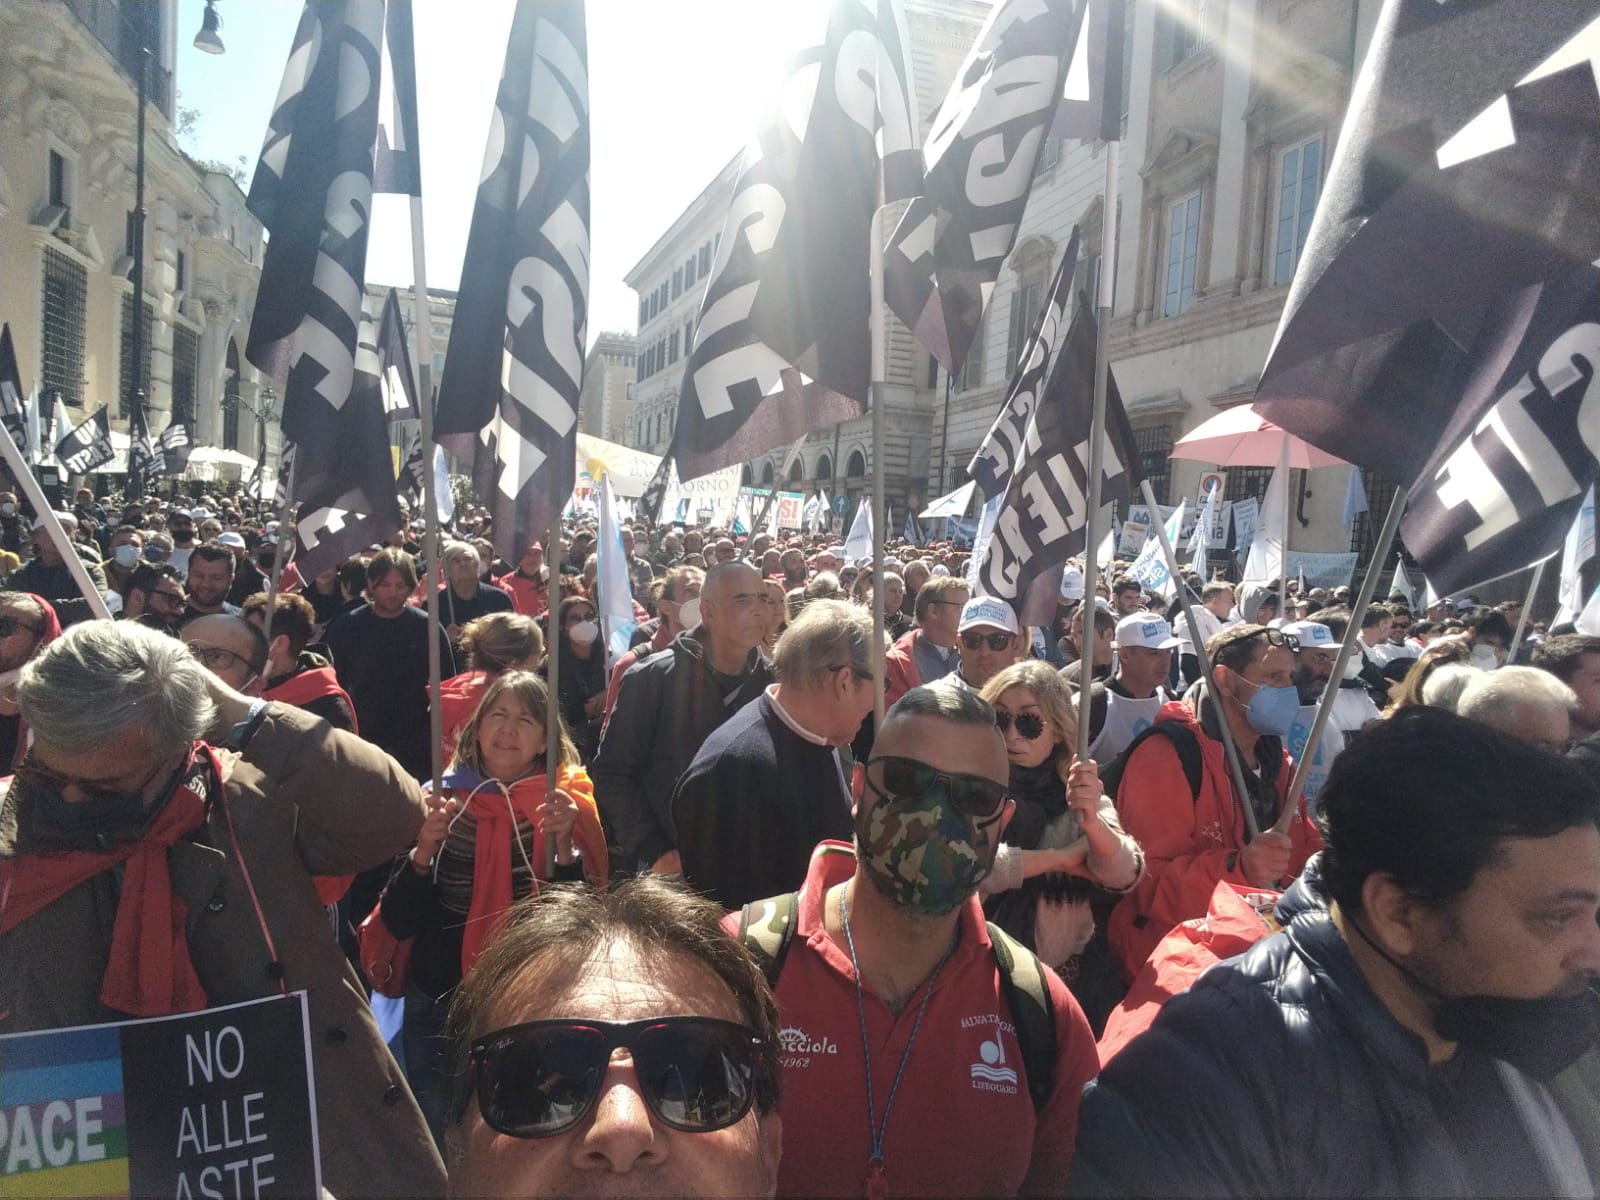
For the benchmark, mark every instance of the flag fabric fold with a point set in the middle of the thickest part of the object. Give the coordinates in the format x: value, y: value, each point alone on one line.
x: 1200, y: 539
x: 397, y: 167
x: 1041, y: 518
x: 616, y: 588
x: 11, y: 394
x: 859, y: 544
x: 1150, y: 567
x: 980, y: 160
x: 399, y: 385
x: 143, y: 462
x: 1266, y: 559
x: 998, y: 453
x: 508, y: 401
x: 781, y: 342
x: 87, y: 446
x: 174, y: 446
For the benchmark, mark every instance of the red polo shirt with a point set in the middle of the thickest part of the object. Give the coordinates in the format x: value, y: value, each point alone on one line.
x: 963, y: 1123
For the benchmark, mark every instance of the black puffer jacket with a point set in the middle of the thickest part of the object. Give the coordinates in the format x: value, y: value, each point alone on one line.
x: 667, y: 706
x: 1279, y: 1073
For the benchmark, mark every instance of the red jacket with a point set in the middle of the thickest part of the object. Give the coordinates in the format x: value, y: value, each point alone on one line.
x: 900, y: 672
x: 524, y: 598
x: 1190, y: 844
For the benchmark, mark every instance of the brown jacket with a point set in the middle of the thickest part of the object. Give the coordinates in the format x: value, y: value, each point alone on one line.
x: 306, y: 800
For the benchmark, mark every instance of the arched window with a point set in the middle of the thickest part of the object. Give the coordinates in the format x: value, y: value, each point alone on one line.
x: 744, y: 476
x: 230, y: 399
x: 797, y: 470
x: 767, y: 473
x: 824, y: 468
x: 856, y: 465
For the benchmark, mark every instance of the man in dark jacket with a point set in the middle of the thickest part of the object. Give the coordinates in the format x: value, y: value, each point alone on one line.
x: 769, y: 784
x: 669, y: 704
x: 48, y: 577
x: 1424, y: 1023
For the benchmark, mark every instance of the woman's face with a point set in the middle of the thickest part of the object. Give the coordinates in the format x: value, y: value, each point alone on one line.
x: 1024, y: 751
x: 509, y: 738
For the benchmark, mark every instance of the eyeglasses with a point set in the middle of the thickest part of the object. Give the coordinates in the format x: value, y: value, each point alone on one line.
x: 212, y: 657
x: 91, y: 791
x: 997, y: 641
x: 975, y: 795
x: 696, y: 1074
x: 173, y: 598
x: 9, y: 625
x: 1029, y: 725
x: 1276, y: 637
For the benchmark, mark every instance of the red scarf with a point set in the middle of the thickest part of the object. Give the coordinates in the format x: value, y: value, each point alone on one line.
x: 492, y: 849
x: 149, y: 973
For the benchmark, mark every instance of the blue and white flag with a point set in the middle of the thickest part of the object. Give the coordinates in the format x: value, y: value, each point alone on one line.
x: 1150, y: 568
x: 616, y: 588
x: 859, y: 543
x: 1355, y: 501
x: 1200, y: 539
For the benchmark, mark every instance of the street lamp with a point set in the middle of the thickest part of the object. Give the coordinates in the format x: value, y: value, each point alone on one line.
x: 265, y: 411
x: 208, y: 39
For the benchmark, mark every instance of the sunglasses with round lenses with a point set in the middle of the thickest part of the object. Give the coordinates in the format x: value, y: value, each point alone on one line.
x: 696, y: 1074
x: 974, y: 795
x: 1029, y: 725
x: 997, y: 641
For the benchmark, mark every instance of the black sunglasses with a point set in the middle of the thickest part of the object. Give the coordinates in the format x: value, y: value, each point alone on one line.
x: 997, y: 641
x: 1029, y: 725
x: 979, y: 797
x: 697, y: 1074
x: 1276, y: 637
x: 9, y: 625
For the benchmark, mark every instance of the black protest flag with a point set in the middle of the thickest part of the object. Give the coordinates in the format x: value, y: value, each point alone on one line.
x: 12, y: 415
x: 1043, y: 519
x: 781, y: 345
x: 142, y: 459
x: 398, y: 165
x: 399, y: 386
x: 982, y: 153
x: 175, y: 445
x: 999, y: 452
x: 508, y: 401
x: 345, y: 483
x: 1405, y: 260
x: 413, y: 471
x: 313, y: 191
x: 87, y: 446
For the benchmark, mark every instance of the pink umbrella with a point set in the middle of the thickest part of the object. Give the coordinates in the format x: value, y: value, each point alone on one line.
x: 1242, y: 437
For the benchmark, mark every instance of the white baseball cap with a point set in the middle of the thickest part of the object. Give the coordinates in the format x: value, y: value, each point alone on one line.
x: 1313, y: 635
x: 232, y: 540
x: 1146, y: 630
x: 986, y: 610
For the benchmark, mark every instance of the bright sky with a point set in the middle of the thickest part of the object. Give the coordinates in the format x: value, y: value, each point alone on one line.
x: 673, y: 87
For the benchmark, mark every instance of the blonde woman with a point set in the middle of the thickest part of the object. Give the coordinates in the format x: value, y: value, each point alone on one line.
x: 1064, y: 845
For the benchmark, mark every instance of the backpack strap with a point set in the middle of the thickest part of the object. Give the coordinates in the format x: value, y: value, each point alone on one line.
x: 1027, y: 994
x: 1184, y: 743
x: 766, y: 927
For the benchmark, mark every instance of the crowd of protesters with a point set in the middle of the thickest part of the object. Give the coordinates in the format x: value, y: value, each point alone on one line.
x: 940, y: 955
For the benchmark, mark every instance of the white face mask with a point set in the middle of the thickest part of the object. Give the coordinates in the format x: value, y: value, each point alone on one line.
x: 126, y: 555
x: 9, y: 510
x: 689, y: 613
x: 584, y: 632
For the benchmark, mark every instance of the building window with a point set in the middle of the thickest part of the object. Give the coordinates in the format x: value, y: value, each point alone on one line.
x: 64, y: 295
x: 1086, y: 279
x: 230, y: 399
x: 672, y: 348
x: 655, y: 305
x: 185, y: 369
x: 1184, y: 32
x: 126, y: 378
x: 767, y: 473
x: 971, y: 373
x: 705, y: 259
x: 688, y: 337
x: 1364, y: 535
x: 181, y: 271
x: 933, y: 371
x: 1025, y: 303
x: 856, y: 464
x: 677, y: 283
x: 1183, y: 254
x: 1245, y: 483
x: 1049, y: 155
x: 644, y: 311
x: 1299, y: 184
x: 1153, y: 444
x: 797, y: 470
x: 824, y: 468
x: 60, y: 185
x: 130, y: 233
x: 688, y: 272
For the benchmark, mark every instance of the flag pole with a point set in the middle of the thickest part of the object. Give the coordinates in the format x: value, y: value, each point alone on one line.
x: 1283, y: 563
x: 421, y: 321
x: 1159, y: 527
x: 284, y: 540
x: 36, y: 497
x: 1097, y: 439
x: 1330, y: 690
x: 879, y: 507
x: 1527, y: 607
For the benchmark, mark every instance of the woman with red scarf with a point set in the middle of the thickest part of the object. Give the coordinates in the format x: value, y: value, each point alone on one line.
x: 482, y: 847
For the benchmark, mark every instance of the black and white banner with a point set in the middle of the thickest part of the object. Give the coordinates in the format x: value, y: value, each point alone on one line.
x: 413, y: 471
x: 398, y: 385
x: 508, y: 401
x: 345, y: 483
x: 781, y: 344
x: 1042, y: 519
x: 88, y: 446
x: 981, y: 157
x: 1000, y: 451
x: 143, y: 462
x: 1406, y: 259
x: 175, y: 445
x: 11, y: 394
x: 313, y: 191
x: 1503, y: 487
x: 398, y: 165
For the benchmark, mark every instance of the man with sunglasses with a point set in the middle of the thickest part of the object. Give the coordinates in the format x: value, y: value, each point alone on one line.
x: 902, y: 1037
x: 612, y: 1043
x: 155, y: 597
x: 1195, y: 837
x: 989, y: 638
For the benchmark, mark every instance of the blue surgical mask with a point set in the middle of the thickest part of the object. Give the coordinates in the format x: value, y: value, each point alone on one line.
x: 126, y: 555
x: 1272, y: 710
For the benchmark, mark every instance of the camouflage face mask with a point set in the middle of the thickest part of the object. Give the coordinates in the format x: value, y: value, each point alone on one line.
x: 922, y: 852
